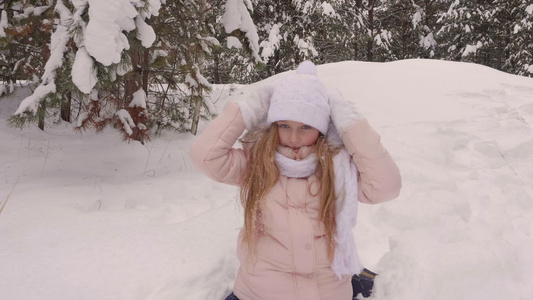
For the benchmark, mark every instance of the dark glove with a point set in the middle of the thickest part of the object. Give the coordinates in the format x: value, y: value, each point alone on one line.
x: 363, y: 283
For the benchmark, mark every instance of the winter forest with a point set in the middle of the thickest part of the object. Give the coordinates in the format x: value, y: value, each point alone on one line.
x: 144, y: 66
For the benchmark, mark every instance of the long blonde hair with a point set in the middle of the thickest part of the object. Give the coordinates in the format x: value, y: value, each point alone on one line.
x: 262, y: 173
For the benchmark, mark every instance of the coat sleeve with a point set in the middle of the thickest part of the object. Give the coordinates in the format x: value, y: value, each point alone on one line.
x: 213, y: 151
x: 379, y: 176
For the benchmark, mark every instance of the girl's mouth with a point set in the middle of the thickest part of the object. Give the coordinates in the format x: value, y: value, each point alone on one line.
x: 296, y: 153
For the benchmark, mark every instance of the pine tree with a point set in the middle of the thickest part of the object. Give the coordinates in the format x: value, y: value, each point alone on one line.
x: 493, y: 33
x: 397, y: 20
x: 142, y: 69
x: 27, y: 26
x: 180, y: 95
x: 411, y: 27
x: 518, y: 46
x: 288, y: 30
x: 85, y: 64
x: 470, y: 32
x: 339, y: 32
x: 236, y: 60
x: 426, y: 22
x: 367, y: 35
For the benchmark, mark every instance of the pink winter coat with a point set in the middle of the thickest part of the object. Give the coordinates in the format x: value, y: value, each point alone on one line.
x: 291, y: 261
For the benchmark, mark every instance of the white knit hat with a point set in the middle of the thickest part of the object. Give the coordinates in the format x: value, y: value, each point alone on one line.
x: 301, y: 97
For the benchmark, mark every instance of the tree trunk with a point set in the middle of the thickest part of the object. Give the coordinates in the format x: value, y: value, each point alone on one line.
x: 370, y: 42
x: 131, y: 86
x: 41, y: 114
x: 355, y: 51
x: 197, y: 94
x: 216, y: 69
x: 196, y: 117
x: 146, y: 70
x: 65, y: 108
x: 133, y: 81
x: 41, y: 111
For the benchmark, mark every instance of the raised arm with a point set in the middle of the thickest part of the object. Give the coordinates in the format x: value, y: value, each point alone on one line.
x: 213, y: 151
x: 379, y: 178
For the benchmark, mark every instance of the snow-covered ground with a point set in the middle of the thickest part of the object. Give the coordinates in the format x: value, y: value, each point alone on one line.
x: 91, y: 217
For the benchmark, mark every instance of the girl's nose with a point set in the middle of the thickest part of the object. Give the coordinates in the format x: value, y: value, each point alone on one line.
x: 295, y: 138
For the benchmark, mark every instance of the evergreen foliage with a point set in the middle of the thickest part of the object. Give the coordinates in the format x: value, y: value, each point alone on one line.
x: 170, y: 52
x: 289, y: 31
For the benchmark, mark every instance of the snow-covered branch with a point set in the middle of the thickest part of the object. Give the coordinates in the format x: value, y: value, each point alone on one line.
x: 58, y: 46
x: 237, y: 17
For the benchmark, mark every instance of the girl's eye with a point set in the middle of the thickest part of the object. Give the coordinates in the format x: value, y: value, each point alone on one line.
x: 284, y: 126
x: 306, y: 127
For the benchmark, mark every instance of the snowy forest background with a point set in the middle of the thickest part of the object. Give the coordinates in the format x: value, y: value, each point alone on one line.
x: 144, y: 66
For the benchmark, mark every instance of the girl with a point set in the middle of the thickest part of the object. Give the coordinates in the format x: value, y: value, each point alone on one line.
x: 308, y: 158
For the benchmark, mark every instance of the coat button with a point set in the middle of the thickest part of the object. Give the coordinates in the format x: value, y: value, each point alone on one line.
x: 308, y: 247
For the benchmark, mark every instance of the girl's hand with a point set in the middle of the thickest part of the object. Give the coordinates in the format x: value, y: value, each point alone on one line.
x: 343, y: 114
x: 254, y: 105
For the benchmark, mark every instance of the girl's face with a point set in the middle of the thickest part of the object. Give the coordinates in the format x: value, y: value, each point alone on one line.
x: 294, y: 134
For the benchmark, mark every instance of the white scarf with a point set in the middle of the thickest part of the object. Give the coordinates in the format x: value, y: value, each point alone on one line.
x: 296, y: 168
x: 346, y: 260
